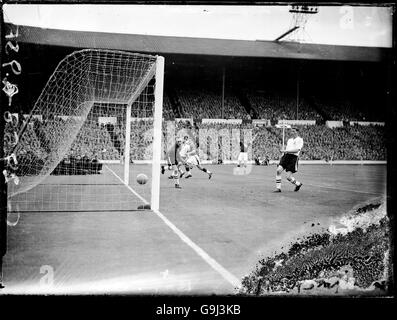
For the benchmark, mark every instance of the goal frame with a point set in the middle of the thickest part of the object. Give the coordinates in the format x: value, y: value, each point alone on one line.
x: 157, y: 126
x: 155, y: 74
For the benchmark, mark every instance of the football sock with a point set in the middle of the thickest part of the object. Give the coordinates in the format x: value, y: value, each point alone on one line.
x: 278, y: 181
x: 176, y: 176
x: 293, y: 181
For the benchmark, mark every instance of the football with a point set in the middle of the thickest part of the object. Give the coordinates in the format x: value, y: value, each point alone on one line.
x: 142, y: 178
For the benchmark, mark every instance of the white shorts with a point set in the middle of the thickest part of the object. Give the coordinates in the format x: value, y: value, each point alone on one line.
x: 193, y: 161
x: 243, y: 156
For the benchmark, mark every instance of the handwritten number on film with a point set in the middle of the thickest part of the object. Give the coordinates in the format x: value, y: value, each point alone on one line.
x: 11, y: 89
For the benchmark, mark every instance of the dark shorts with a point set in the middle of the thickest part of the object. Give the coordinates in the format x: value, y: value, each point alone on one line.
x: 289, y: 162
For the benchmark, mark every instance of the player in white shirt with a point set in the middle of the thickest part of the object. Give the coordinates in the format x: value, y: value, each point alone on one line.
x: 185, y: 150
x: 289, y: 160
x: 191, y: 159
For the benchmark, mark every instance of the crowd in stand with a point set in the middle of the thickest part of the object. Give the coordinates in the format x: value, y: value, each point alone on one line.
x: 168, y: 112
x: 321, y: 142
x: 200, y: 104
x: 281, y: 106
x: 217, y: 141
x: 102, y: 141
x: 340, y: 109
x: 233, y: 108
x: 204, y: 103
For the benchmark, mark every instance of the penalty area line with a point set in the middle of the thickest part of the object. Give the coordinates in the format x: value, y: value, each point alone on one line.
x: 233, y: 280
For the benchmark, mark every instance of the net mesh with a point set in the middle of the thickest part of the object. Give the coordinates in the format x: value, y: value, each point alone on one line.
x: 71, y: 148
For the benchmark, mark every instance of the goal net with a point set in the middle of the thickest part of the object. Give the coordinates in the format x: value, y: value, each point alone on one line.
x: 95, y: 122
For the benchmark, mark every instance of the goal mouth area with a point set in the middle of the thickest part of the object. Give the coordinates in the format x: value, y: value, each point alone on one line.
x: 24, y: 204
x: 104, y: 192
x: 81, y: 120
x: 138, y: 209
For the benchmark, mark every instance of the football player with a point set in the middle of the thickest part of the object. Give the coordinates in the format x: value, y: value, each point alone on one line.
x: 191, y: 159
x: 289, y: 160
x: 175, y: 163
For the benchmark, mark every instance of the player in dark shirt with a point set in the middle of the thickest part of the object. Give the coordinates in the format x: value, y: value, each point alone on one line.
x: 174, y: 162
x: 243, y: 156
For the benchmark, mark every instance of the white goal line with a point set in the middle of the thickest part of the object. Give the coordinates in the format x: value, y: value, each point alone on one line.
x: 129, y: 188
x: 229, y: 277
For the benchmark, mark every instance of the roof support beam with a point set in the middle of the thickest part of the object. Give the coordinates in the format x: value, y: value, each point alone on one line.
x: 286, y: 33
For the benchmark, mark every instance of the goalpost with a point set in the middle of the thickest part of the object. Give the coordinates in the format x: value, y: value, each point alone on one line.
x: 99, y: 113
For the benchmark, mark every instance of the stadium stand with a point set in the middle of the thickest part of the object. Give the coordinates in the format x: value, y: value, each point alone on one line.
x: 342, y: 109
x: 273, y: 105
x: 321, y: 142
x: 205, y: 103
x: 168, y: 112
x: 252, y: 100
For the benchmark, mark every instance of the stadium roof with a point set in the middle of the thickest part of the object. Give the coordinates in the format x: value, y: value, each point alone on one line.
x: 198, y: 46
